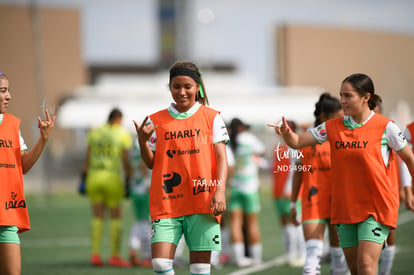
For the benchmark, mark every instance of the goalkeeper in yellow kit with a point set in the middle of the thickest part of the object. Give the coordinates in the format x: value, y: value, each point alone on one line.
x: 106, y: 166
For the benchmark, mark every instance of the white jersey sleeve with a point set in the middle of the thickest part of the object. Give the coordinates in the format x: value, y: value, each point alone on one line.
x: 23, y: 146
x: 405, y: 176
x: 219, y: 130
x: 395, y: 138
x: 319, y: 133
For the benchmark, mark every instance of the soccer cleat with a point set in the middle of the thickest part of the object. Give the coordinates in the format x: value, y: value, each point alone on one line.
x: 116, y: 261
x: 96, y: 260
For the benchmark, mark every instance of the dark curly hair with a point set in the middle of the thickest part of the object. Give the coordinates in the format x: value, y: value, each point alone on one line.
x: 363, y: 84
x: 326, y: 104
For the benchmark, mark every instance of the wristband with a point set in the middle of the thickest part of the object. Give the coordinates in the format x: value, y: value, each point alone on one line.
x: 82, y: 184
x: 292, y: 204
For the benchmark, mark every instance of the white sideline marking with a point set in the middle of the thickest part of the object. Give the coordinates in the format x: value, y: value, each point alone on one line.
x: 403, y: 218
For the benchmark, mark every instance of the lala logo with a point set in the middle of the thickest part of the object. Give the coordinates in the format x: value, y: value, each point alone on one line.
x: 14, y: 202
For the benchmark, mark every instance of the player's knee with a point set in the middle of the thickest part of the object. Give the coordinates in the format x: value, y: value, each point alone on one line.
x: 162, y: 266
x: 200, y: 268
x: 366, y: 265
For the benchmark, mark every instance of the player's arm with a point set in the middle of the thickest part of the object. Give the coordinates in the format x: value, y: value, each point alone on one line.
x: 296, y: 184
x: 397, y: 142
x: 144, y: 133
x: 45, y: 125
x: 408, y: 157
x: 218, y: 202
x: 292, y: 139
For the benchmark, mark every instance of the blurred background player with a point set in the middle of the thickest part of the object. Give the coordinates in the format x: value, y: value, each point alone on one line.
x: 244, y: 205
x: 282, y: 173
x: 140, y: 235
x: 314, y: 180
x: 106, y: 166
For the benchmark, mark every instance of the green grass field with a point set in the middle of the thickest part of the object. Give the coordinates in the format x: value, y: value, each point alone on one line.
x: 59, y: 240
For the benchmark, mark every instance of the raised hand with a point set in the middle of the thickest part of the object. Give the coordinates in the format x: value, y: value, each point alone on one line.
x: 281, y: 127
x: 144, y: 131
x: 46, y: 125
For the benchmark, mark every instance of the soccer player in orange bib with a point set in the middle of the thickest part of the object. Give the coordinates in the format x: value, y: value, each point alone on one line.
x: 15, y: 160
x: 185, y: 146
x: 314, y: 176
x: 365, y: 200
